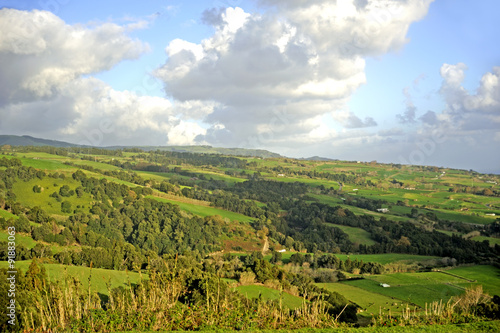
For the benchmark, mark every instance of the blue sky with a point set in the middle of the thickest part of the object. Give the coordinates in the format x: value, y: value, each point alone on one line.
x: 411, y: 81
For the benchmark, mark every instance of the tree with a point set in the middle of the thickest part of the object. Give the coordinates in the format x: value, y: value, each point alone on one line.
x: 65, y: 191
x: 289, y: 242
x: 79, y: 191
x: 275, y: 257
x: 488, y: 192
x: 66, y: 206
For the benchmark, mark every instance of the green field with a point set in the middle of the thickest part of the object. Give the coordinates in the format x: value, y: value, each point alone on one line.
x: 425, y: 287
x: 493, y: 241
x: 6, y: 215
x: 44, y: 161
x: 386, y: 258
x: 371, y: 303
x: 255, y: 291
x: 28, y: 198
x: 356, y: 235
x: 21, y: 239
x: 29, y: 243
x: 409, y: 289
x: 206, y: 211
x: 99, y: 277
x: 486, y: 275
x: 333, y: 201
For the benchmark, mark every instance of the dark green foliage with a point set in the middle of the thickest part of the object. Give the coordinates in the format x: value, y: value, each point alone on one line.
x: 275, y: 257
x: 66, y: 206
x: 65, y: 191
x: 38, y: 215
x: 22, y: 224
x: 490, y: 309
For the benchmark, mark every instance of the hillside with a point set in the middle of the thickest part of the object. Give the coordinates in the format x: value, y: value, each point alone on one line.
x: 268, y: 234
x: 26, y: 140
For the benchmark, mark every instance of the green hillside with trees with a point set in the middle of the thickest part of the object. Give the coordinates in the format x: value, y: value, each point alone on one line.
x: 178, y: 239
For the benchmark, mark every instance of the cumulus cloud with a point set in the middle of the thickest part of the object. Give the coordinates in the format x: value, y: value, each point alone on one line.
x: 303, y: 56
x: 88, y: 111
x: 39, y: 52
x: 468, y: 126
x: 46, y: 87
x: 464, y: 107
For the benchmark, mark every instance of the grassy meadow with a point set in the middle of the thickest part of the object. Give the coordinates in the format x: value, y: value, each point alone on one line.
x: 256, y: 291
x: 205, y: 210
x: 99, y: 278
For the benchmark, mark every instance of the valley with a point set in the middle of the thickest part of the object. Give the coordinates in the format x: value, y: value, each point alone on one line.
x: 356, y: 241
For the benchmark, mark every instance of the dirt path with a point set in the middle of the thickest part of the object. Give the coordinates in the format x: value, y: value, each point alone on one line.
x: 265, y: 247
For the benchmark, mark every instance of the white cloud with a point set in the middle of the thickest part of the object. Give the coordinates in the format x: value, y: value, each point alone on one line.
x: 461, y: 104
x: 303, y: 56
x: 39, y: 52
x: 185, y: 133
x: 46, y: 87
x: 464, y: 133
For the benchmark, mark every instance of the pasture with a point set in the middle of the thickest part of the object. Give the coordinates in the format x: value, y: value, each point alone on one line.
x: 371, y: 303
x: 28, y: 198
x: 21, y: 239
x: 486, y: 275
x: 256, y: 291
x: 205, y: 210
x: 7, y: 215
x: 387, y: 258
x: 412, y: 291
x: 356, y: 235
x: 99, y: 277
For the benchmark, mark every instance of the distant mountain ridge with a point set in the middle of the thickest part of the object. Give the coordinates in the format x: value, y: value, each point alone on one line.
x: 26, y: 140
x: 319, y: 159
x: 205, y: 149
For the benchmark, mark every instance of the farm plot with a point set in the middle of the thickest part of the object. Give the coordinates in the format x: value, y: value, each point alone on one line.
x: 371, y: 303
x: 412, y: 294
x: 386, y: 258
x: 206, y: 211
x: 356, y: 235
x: 99, y: 277
x: 414, y: 288
x: 43, y: 161
x: 486, y: 275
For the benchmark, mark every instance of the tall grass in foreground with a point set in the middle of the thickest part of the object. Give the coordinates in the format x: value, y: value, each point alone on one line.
x: 182, y: 299
x: 468, y: 307
x: 170, y: 300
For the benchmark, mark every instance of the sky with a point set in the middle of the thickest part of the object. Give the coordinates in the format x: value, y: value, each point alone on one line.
x: 396, y: 81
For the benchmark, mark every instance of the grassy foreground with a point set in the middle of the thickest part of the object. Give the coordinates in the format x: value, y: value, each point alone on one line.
x: 488, y: 326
